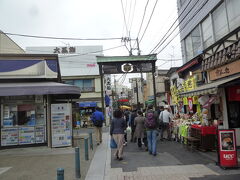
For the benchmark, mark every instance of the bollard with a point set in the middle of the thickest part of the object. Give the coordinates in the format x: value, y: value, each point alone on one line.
x: 86, y: 148
x: 90, y: 140
x: 77, y: 163
x: 60, y: 174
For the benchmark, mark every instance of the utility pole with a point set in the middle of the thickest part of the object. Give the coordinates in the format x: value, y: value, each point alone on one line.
x: 139, y: 52
x: 137, y: 94
x: 115, y: 94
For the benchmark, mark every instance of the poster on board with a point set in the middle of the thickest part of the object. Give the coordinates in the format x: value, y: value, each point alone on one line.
x: 40, y: 134
x: 26, y: 135
x: 9, y: 136
x: 61, y: 124
x: 227, y: 148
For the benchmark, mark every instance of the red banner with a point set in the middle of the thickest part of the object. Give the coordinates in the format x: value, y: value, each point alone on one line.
x: 234, y: 93
x: 190, y: 104
x: 227, y: 148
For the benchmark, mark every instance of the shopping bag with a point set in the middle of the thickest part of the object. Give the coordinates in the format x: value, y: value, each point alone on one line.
x: 113, y: 144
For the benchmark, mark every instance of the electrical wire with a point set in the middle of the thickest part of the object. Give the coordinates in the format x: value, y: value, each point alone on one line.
x: 132, y: 15
x: 148, y: 21
x: 65, y: 56
x: 183, y: 27
x: 63, y: 38
x: 124, y: 17
x: 158, y: 45
x: 145, y: 9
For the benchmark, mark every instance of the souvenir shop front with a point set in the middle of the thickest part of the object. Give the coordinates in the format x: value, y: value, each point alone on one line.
x: 208, y: 108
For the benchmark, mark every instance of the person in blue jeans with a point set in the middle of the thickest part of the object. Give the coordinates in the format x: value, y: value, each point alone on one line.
x: 151, y: 124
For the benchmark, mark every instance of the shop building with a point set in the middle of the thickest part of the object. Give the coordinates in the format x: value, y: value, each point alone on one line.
x: 210, y: 31
x: 31, y: 115
x: 79, y: 68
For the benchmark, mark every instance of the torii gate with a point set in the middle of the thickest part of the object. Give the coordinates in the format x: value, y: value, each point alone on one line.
x: 127, y: 64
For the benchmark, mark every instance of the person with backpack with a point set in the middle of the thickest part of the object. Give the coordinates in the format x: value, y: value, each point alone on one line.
x: 151, y: 124
x: 97, y: 118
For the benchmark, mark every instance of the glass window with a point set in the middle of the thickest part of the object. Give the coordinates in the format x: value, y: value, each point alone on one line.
x: 86, y: 85
x: 220, y: 22
x: 233, y: 13
x: 207, y: 32
x: 23, y: 114
x: 189, y: 47
x: 78, y: 83
x: 196, y: 41
x: 69, y: 82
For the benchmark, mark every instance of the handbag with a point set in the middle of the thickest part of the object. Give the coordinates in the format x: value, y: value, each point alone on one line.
x: 113, y: 144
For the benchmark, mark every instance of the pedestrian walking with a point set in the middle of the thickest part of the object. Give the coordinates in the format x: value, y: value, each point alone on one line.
x: 133, y: 114
x: 151, y: 124
x: 118, y: 126
x: 139, y: 131
x: 126, y: 116
x: 166, y: 118
x: 97, y: 118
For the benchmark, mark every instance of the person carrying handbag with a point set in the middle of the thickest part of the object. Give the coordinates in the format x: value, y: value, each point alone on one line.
x: 118, y: 126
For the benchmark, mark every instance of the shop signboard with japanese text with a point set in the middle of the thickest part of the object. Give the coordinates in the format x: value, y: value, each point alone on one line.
x: 61, y: 121
x: 227, y: 148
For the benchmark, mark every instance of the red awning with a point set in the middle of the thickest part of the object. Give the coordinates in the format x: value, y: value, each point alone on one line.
x: 187, y: 65
x: 123, y: 100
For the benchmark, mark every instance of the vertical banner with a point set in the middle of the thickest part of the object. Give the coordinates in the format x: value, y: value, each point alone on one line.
x: 190, y: 104
x: 227, y: 148
x: 61, y: 121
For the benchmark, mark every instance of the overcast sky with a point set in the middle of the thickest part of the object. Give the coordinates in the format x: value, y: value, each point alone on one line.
x: 91, y: 19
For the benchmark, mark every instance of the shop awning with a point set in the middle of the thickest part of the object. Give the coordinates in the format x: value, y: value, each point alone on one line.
x: 210, y: 88
x: 87, y: 104
x: 37, y: 88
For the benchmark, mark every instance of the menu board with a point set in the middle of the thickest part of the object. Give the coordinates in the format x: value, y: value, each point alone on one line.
x: 9, y: 136
x: 61, y: 120
x: 40, y: 134
x: 26, y: 135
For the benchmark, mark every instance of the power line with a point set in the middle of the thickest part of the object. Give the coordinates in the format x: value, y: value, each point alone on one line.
x: 92, y: 52
x: 158, y: 45
x: 133, y: 15
x: 148, y: 21
x: 145, y: 9
x: 124, y: 17
x: 182, y: 28
x: 63, y: 38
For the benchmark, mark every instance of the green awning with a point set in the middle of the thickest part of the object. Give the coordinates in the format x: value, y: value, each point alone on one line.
x: 151, y: 101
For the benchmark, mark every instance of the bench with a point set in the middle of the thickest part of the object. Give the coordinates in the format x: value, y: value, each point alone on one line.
x: 191, y: 142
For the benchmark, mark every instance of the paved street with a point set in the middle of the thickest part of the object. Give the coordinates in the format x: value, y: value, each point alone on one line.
x: 172, y: 162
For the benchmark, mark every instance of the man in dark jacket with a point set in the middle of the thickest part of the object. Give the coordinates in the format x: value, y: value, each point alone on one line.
x: 97, y: 118
x: 133, y: 114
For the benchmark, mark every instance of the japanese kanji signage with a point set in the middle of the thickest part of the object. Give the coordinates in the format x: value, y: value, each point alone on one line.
x: 64, y: 50
x: 225, y: 70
